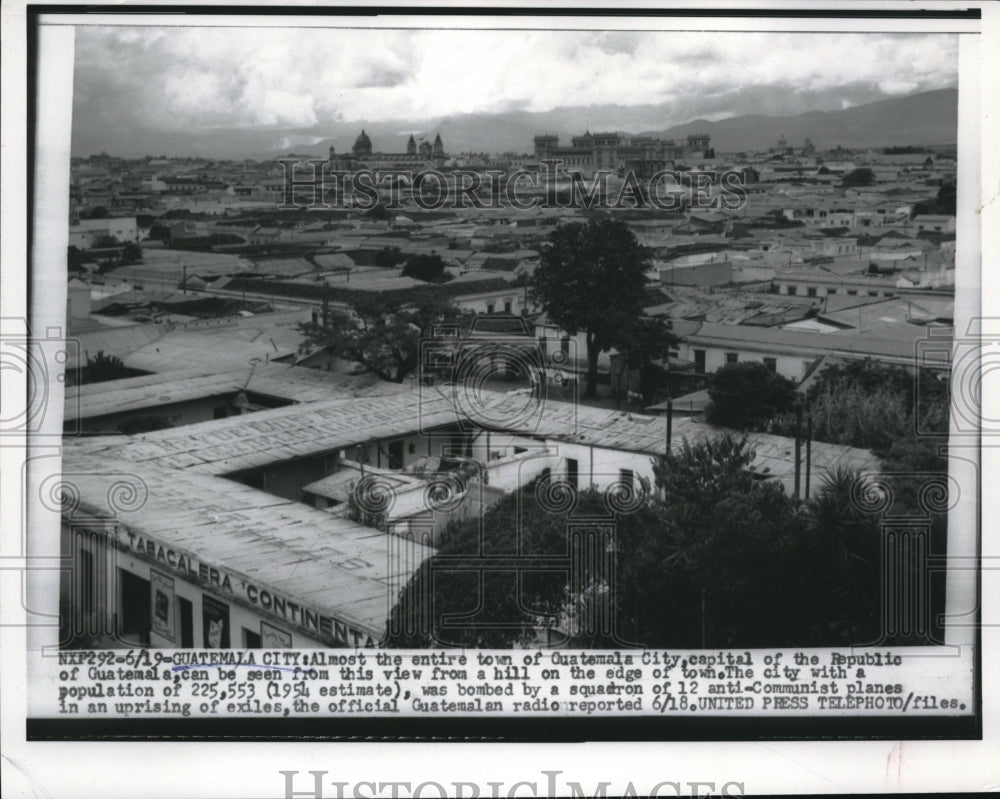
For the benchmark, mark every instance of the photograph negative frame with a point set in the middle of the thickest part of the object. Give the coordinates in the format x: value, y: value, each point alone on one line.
x: 686, y: 534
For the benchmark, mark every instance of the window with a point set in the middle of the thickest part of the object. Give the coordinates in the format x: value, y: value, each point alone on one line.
x: 811, y: 291
x: 626, y: 477
x: 506, y: 307
x: 490, y: 308
x: 251, y: 639
x: 572, y: 472
x: 135, y: 607
x: 395, y: 454
x: 185, y: 611
x: 699, y: 362
x: 792, y: 290
x: 732, y: 357
x: 771, y: 364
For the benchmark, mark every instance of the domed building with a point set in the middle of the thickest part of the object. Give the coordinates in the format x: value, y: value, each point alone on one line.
x: 422, y: 155
x: 362, y: 146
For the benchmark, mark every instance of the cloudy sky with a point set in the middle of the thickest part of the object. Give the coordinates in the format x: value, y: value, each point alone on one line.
x: 149, y: 90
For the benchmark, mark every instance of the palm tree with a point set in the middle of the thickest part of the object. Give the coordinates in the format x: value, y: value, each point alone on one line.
x: 844, y: 544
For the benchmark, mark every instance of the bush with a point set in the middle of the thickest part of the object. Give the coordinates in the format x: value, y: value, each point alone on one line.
x: 747, y: 395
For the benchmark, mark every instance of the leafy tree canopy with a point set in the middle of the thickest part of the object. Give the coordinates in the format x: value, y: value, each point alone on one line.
x: 746, y: 395
x: 717, y: 558
x: 382, y: 334
x: 863, y: 403
x: 389, y: 257
x: 101, y: 367
x: 429, y: 268
x: 591, y: 279
x: 862, y: 176
x: 533, y: 522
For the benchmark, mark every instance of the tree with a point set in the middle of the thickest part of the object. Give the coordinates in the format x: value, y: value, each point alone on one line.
x: 429, y: 268
x: 389, y: 256
x: 131, y: 254
x: 862, y: 176
x: 718, y: 558
x: 719, y: 575
x: 840, y: 580
x: 646, y: 340
x: 379, y: 212
x: 746, y: 395
x: 448, y: 603
x: 591, y: 278
x: 101, y: 367
x: 864, y: 403
x: 74, y: 258
x: 946, y: 199
x: 382, y: 334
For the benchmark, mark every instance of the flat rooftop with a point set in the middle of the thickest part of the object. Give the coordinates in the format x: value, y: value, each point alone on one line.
x: 331, y: 565
x: 147, y: 392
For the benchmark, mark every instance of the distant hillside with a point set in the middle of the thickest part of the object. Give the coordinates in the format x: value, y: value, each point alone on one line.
x: 924, y: 118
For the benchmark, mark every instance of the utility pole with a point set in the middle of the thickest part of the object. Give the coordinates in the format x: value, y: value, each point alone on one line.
x: 809, y: 441
x: 798, y: 448
x: 670, y: 421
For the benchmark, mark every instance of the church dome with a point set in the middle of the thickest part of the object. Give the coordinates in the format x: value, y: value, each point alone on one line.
x: 362, y: 145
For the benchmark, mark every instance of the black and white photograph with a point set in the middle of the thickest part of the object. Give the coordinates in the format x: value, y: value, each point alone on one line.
x: 498, y: 375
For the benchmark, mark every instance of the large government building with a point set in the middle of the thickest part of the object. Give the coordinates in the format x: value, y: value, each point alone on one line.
x: 361, y: 156
x: 614, y: 151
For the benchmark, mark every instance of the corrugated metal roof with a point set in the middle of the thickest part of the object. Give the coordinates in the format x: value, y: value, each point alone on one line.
x: 807, y: 344
x: 227, y: 348
x: 294, y: 383
x: 148, y: 391
x: 117, y: 341
x: 265, y: 437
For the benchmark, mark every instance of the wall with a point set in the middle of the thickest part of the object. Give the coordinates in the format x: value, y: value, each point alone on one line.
x: 599, y: 466
x: 123, y: 228
x: 479, y: 303
x: 108, y: 559
x: 178, y: 413
x: 287, y: 479
x: 791, y: 366
x: 715, y: 273
x: 799, y: 285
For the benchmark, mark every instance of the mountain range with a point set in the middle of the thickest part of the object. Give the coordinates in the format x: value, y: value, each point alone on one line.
x: 918, y: 119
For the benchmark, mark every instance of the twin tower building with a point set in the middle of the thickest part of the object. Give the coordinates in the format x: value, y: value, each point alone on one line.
x: 361, y: 156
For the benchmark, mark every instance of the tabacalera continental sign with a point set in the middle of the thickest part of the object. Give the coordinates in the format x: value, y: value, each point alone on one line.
x: 234, y: 587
